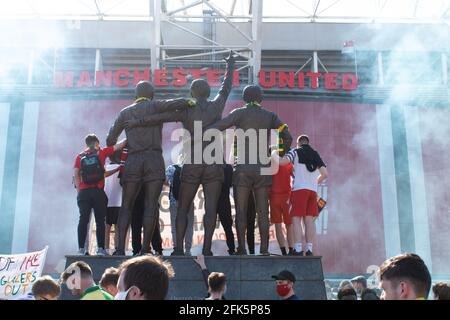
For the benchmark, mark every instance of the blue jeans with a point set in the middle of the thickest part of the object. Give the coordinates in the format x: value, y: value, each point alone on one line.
x: 189, y: 229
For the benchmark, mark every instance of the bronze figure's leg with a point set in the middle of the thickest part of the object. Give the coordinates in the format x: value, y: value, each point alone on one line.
x: 262, y: 209
x: 152, y: 192
x: 185, y: 199
x: 130, y: 191
x: 251, y: 219
x: 212, y: 193
x: 241, y: 198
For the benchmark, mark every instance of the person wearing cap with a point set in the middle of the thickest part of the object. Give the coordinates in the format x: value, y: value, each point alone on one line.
x: 359, y: 283
x: 285, y: 285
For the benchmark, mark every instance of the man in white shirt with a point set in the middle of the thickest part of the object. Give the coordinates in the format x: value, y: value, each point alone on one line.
x: 309, y: 172
x: 113, y: 191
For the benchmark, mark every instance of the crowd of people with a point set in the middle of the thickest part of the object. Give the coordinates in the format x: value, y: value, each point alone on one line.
x: 403, y: 277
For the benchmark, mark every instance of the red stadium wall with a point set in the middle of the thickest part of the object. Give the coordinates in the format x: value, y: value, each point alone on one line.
x: 340, y: 132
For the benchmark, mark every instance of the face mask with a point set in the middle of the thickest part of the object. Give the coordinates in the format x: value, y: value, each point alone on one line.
x: 122, y: 295
x: 283, y: 289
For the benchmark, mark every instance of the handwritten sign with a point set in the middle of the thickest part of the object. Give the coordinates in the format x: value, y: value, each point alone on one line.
x: 19, y: 272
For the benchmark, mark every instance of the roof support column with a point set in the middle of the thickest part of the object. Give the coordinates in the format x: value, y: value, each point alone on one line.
x: 155, y: 13
x: 380, y: 68
x: 255, y: 63
x: 444, y: 68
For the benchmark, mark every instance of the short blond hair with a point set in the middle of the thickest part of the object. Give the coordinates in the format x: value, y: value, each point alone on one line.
x: 217, y: 281
x: 109, y: 277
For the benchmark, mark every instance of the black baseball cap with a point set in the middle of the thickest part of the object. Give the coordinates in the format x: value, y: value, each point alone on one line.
x: 359, y: 279
x: 285, y: 275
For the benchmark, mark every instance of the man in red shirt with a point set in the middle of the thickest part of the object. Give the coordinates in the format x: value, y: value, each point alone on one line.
x: 280, y: 193
x: 89, y: 177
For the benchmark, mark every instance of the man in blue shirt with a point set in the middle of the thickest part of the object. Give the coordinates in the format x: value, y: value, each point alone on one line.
x: 173, y: 173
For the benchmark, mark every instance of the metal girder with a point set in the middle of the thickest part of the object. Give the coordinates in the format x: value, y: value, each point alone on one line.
x: 155, y: 11
x: 191, y: 16
x: 296, y: 6
x: 196, y: 55
x: 304, y: 65
x: 380, y: 68
x: 321, y: 64
x: 200, y: 36
x: 444, y: 68
x: 331, y: 5
x: 197, y: 46
x: 30, y: 67
x: 243, y: 67
x: 233, y: 5
x: 315, y: 9
x: 98, y: 63
x: 315, y: 64
x: 183, y: 8
x: 257, y: 10
x: 226, y: 19
x: 250, y: 52
x: 183, y: 4
x: 99, y: 11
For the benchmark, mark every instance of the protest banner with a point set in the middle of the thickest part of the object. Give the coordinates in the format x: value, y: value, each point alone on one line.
x: 18, y: 273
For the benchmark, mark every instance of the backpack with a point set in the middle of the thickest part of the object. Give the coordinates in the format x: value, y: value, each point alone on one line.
x: 92, y: 170
x: 175, y: 186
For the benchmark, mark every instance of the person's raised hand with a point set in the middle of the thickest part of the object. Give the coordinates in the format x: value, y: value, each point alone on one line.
x: 274, y: 153
x: 231, y: 58
x: 200, y: 260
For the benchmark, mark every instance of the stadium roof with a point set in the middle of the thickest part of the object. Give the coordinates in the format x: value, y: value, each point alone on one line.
x: 389, y: 11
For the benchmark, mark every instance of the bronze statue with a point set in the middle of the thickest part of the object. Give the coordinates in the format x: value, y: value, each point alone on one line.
x: 247, y: 176
x: 144, y: 167
x: 210, y: 176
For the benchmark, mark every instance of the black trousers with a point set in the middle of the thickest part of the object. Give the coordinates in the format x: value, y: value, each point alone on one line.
x: 137, y: 223
x: 251, y: 219
x: 224, y: 207
x: 224, y: 212
x: 130, y: 191
x: 87, y: 200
